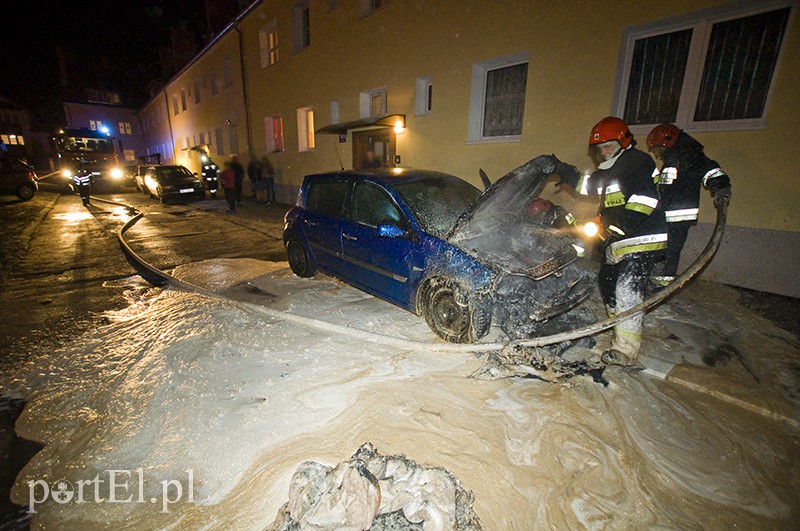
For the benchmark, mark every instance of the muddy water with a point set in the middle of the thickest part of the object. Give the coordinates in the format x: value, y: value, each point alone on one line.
x: 181, y: 382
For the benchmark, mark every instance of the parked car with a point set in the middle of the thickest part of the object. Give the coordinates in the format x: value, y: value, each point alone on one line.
x: 170, y: 182
x: 17, y: 178
x: 433, y: 244
x: 134, y: 174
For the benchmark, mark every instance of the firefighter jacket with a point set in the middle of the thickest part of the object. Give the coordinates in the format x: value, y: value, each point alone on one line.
x: 685, y: 169
x: 82, y: 179
x: 629, y: 207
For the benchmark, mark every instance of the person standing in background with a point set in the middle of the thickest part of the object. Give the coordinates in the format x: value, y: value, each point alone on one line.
x: 238, y: 172
x: 227, y: 180
x: 269, y: 180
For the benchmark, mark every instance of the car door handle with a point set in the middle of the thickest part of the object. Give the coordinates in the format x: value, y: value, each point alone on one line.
x: 348, y: 237
x: 311, y: 223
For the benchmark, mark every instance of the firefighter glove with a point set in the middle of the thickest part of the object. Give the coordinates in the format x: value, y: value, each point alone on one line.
x: 569, y: 174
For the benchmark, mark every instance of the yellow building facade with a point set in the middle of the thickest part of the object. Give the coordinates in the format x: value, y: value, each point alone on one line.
x: 490, y: 85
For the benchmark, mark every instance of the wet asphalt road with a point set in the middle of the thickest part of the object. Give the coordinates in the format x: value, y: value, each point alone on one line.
x: 61, y: 267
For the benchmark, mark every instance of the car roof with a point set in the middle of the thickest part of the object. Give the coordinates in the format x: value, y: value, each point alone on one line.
x: 385, y: 176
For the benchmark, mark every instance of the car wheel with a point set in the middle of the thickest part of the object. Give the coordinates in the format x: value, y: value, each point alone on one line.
x: 452, y: 319
x: 25, y: 192
x: 299, y: 261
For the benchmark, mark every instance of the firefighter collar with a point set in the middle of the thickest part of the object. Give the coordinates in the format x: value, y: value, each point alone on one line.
x: 606, y: 164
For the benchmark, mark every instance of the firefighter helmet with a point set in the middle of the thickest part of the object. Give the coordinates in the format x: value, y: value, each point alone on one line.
x: 611, y: 128
x: 664, y: 135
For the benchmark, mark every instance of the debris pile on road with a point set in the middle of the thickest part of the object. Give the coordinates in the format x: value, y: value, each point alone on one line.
x: 541, y: 363
x: 373, y: 491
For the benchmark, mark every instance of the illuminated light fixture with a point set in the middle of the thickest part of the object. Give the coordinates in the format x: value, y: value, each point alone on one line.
x: 104, y: 129
x: 66, y: 173
x: 397, y: 170
x: 591, y: 229
x: 12, y: 136
x: 61, y: 131
x: 116, y: 173
x: 399, y: 126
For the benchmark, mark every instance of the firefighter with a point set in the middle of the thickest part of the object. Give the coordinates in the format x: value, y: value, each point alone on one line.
x: 82, y: 182
x: 684, y: 169
x: 634, y: 228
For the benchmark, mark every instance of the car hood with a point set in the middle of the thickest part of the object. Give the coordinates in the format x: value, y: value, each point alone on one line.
x: 495, y: 227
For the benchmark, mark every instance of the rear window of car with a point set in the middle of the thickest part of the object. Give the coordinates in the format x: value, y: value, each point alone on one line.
x: 174, y: 173
x: 327, y: 197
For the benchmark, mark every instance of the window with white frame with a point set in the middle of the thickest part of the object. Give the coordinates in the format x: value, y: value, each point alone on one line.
x: 196, y: 91
x: 183, y: 99
x: 273, y: 133
x: 711, y: 70
x: 424, y: 96
x: 368, y: 7
x: 372, y: 103
x: 212, y: 74
x: 497, y: 99
x: 301, y: 15
x: 268, y: 44
x: 305, y: 129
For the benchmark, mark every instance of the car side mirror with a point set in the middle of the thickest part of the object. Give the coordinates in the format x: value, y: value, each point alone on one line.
x: 389, y: 230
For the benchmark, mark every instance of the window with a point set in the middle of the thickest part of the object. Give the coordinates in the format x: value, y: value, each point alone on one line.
x: 372, y: 103
x: 497, y: 99
x: 268, y: 44
x: 213, y: 81
x: 121, y: 128
x: 201, y: 139
x: 227, y: 73
x: 424, y: 95
x: 302, y: 26
x: 124, y: 128
x: 197, y: 91
x: 128, y: 130
x: 368, y: 7
x: 273, y: 133
x: 372, y: 206
x: 183, y: 99
x: 175, y: 105
x: 711, y: 70
x: 327, y: 197
x: 305, y: 129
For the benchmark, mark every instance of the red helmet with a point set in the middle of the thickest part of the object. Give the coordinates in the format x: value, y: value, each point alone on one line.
x: 664, y: 135
x: 611, y: 128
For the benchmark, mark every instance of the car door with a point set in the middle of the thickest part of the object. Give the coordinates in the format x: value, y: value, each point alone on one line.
x: 321, y: 221
x: 6, y: 177
x: 378, y: 264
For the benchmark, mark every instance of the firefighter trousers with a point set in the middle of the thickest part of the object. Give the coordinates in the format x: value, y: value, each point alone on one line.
x: 622, y: 287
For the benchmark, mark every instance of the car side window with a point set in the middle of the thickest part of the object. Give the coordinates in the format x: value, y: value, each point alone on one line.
x: 327, y: 197
x: 373, y: 206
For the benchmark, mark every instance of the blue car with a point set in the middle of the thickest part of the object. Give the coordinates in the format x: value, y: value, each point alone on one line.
x: 435, y: 245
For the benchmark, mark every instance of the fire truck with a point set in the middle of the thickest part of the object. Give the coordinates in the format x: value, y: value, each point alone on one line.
x: 86, y: 148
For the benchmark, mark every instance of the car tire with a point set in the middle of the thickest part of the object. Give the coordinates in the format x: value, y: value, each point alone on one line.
x: 299, y: 261
x: 25, y: 192
x: 452, y: 320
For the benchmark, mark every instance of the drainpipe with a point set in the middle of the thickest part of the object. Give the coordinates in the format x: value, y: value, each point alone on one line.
x: 169, y: 122
x: 244, y: 91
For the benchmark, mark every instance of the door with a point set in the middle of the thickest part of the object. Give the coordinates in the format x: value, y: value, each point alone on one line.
x: 322, y: 222
x: 378, y: 143
x: 378, y: 264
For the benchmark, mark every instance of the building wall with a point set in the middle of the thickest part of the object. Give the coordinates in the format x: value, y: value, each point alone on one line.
x: 573, y: 50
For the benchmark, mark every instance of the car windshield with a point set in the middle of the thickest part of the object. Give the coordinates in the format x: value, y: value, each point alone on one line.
x: 438, y: 201
x: 171, y: 174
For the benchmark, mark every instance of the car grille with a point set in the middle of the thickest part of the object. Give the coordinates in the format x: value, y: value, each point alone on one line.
x: 552, y: 265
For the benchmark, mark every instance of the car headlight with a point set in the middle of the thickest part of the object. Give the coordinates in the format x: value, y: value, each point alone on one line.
x: 67, y: 173
x: 116, y: 173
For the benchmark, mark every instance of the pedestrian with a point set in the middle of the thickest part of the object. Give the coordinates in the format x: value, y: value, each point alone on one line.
x: 238, y: 171
x: 269, y: 179
x: 684, y: 169
x: 228, y: 181
x: 370, y: 160
x: 82, y: 182
x: 256, y: 175
x: 634, y: 229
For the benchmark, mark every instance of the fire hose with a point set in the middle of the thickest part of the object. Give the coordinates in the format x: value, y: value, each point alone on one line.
x: 160, y: 278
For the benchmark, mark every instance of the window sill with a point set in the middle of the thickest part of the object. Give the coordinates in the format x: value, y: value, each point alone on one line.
x: 722, y: 126
x: 496, y: 140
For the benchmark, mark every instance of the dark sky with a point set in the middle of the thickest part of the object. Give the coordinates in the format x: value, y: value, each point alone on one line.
x: 107, y: 44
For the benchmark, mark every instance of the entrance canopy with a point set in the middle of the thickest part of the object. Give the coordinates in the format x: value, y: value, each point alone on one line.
x: 365, y: 123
